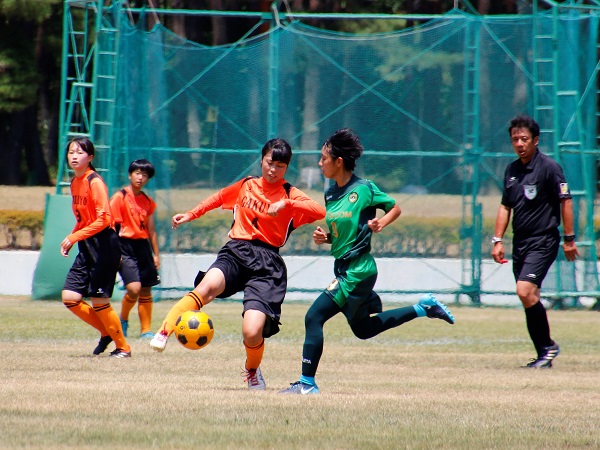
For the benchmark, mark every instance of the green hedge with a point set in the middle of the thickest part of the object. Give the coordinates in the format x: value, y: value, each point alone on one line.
x: 419, y: 237
x: 21, y: 230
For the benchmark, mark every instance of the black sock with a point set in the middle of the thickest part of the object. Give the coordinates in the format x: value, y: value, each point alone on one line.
x: 538, y: 326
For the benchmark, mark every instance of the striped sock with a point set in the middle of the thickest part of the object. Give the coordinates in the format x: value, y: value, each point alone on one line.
x: 190, y: 301
x: 111, y: 321
x: 126, y: 305
x: 86, y: 313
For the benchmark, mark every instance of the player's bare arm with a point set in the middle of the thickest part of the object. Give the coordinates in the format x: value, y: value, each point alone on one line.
x: 153, y: 240
x: 377, y: 224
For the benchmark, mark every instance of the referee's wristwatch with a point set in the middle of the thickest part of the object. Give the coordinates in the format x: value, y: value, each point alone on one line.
x: 496, y: 239
x: 569, y: 237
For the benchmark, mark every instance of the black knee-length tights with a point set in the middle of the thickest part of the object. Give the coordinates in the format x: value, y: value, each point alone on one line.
x: 324, y: 308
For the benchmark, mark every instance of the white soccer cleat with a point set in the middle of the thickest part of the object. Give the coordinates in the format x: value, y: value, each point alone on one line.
x: 255, y: 380
x: 159, y: 341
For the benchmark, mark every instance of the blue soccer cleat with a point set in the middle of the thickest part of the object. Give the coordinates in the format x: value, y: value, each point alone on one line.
x: 435, y: 309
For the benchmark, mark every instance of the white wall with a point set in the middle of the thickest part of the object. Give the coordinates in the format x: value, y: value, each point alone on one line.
x: 307, y: 276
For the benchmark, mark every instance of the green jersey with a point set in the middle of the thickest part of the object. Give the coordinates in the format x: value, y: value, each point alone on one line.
x: 349, y: 208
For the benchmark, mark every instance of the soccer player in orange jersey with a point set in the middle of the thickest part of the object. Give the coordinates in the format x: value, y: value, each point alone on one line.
x: 95, y: 267
x: 133, y: 216
x: 266, y: 210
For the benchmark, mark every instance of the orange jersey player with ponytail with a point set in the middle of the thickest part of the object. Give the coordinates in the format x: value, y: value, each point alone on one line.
x: 266, y: 210
x: 95, y: 267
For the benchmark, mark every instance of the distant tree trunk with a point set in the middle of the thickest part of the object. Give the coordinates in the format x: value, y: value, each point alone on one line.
x: 37, y: 170
x: 19, y: 135
x: 11, y: 132
x: 178, y: 21
x: 483, y: 7
x: 48, y: 98
x: 219, y: 25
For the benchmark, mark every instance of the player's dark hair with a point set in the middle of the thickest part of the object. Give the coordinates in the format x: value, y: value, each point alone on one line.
x: 345, y: 144
x: 85, y: 144
x: 280, y: 150
x: 523, y: 121
x: 142, y: 165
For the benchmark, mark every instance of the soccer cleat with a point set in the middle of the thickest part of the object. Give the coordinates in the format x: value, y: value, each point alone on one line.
x: 124, y: 326
x: 147, y: 335
x: 159, y: 341
x: 255, y: 379
x: 435, y: 309
x: 544, y: 360
x: 120, y: 353
x: 301, y: 388
x: 102, y: 344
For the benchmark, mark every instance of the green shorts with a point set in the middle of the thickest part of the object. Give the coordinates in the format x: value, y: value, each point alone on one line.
x: 352, y: 288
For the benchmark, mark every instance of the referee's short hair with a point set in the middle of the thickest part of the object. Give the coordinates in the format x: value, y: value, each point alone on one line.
x: 523, y: 121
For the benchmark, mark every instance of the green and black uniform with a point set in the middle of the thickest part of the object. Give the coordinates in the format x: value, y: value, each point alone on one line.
x: 349, y: 208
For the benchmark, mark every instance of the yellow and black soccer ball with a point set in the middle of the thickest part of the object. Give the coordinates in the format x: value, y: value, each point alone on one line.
x: 194, y: 330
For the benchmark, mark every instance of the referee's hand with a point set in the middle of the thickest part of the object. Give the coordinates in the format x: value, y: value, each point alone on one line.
x: 570, y: 249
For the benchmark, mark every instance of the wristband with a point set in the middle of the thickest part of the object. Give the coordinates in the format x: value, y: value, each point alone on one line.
x: 569, y: 237
x: 496, y: 239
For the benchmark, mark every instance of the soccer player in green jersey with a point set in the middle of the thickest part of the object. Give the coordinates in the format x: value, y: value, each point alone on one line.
x: 351, y: 205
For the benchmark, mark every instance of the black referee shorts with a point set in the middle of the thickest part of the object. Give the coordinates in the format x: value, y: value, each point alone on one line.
x: 95, y: 268
x: 137, y: 262
x: 533, y: 256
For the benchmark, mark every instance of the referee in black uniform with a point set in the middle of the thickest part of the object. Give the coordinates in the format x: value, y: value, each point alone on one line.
x: 536, y: 192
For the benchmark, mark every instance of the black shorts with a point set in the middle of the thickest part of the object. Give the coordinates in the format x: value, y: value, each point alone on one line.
x: 533, y: 256
x: 137, y: 262
x: 95, y: 268
x: 258, y: 270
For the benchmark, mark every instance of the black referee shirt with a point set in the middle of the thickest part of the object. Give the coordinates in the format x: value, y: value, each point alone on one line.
x: 533, y: 191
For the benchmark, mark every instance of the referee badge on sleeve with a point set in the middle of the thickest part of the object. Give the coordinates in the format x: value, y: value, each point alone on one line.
x: 564, y: 188
x: 530, y: 191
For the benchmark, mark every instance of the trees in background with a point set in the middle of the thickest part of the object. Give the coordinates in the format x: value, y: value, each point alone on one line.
x: 29, y: 89
x: 31, y: 47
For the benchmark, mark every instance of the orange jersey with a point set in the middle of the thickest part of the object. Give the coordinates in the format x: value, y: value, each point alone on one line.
x: 90, y: 205
x: 250, y: 199
x: 132, y: 212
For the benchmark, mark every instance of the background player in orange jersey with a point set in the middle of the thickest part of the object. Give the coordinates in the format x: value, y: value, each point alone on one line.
x: 95, y: 267
x: 133, y: 216
x: 266, y: 210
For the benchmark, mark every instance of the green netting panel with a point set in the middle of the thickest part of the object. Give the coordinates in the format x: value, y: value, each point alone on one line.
x: 431, y: 104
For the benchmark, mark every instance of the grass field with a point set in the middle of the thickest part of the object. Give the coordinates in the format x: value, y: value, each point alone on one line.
x: 423, y: 385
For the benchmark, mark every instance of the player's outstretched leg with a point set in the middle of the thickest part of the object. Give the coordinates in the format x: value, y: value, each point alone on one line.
x: 188, y: 302
x: 428, y: 305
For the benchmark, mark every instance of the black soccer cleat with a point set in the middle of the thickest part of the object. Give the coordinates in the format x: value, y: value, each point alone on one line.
x: 102, y: 344
x: 544, y: 360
